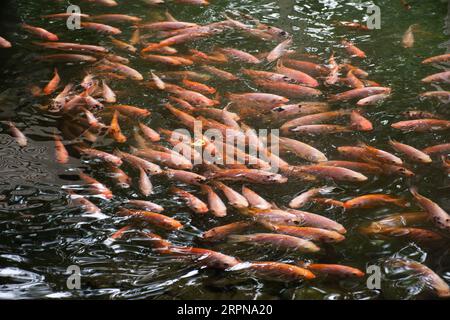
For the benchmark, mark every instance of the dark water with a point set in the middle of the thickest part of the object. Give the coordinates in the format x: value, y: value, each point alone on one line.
x: 41, y: 235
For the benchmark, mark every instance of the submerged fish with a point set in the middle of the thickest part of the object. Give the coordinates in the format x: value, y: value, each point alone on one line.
x: 157, y: 219
x: 437, y: 215
x: 335, y: 270
x: 192, y: 201
x: 425, y: 274
x: 277, y: 240
x: 374, y: 200
x: 277, y: 271
x: 17, y: 134
x: 222, y: 232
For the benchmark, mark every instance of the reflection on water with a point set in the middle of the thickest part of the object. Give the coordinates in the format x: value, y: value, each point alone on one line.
x: 41, y: 234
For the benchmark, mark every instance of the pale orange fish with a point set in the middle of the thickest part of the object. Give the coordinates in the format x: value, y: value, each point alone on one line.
x: 151, y: 134
x: 303, y: 198
x: 290, y: 90
x: 303, y: 108
x: 373, y: 99
x: 123, y: 45
x: 137, y: 162
x: 309, y: 233
x: 358, y: 93
x: 358, y: 122
x: 277, y: 240
x: 309, y: 219
x: 257, y: 99
x: 186, y: 177
x: 313, y: 119
x: 135, y: 37
x: 314, y: 69
x: 333, y: 75
x: 157, y: 219
x: 302, y: 150
x: 166, y: 157
x: 61, y: 154
x: 240, y: 55
x: 120, y: 233
x: 130, y: 111
x: 108, y: 93
x: 437, y: 215
x: 222, y: 232
x: 437, y: 59
x: 235, y: 199
x: 199, y: 87
x: 116, y: 18
x: 352, y: 25
x: 17, y: 134
x: 86, y: 205
x: 442, y: 96
x: 205, y: 257
x: 255, y: 200
x: 4, y: 43
x: 145, y: 205
x: 68, y: 57
x: 145, y: 184
x: 438, y: 77
x: 100, y: 27
x: 408, y: 37
x: 335, y: 270
x: 221, y: 74
x: 169, y: 60
x: 354, y: 81
x: 422, y: 125
x: 297, y: 75
x: 177, y: 39
x: 440, y: 148
x: 353, y: 50
x: 425, y: 274
x: 40, y: 32
x: 65, y: 15
x: 362, y: 167
x: 194, y: 2
x: 68, y: 46
x: 279, y: 50
x: 121, y: 179
x: 374, y: 200
x: 124, y: 69
x: 331, y: 172
x: 320, y: 129
x: 159, y: 83
x: 194, y: 203
x: 106, y: 3
x: 101, y: 155
x: 277, y: 271
x: 216, y: 205
x: 98, y: 187
x: 115, y: 130
x: 411, y: 152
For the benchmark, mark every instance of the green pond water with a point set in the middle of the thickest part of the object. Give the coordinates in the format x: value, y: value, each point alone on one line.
x: 40, y: 235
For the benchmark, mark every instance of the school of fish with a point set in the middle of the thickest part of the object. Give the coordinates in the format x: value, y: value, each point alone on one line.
x: 292, y: 93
